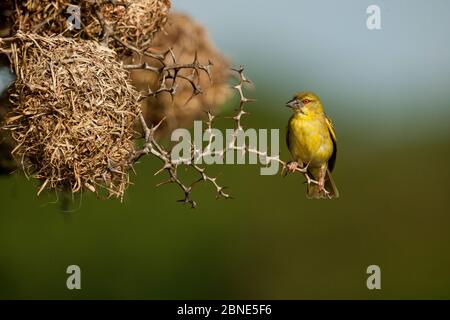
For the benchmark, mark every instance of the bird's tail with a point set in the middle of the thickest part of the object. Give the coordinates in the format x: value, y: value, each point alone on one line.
x: 312, y: 191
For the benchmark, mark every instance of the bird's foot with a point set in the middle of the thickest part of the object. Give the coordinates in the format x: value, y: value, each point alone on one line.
x: 321, y: 186
x: 325, y: 192
x: 290, y: 167
x: 321, y: 182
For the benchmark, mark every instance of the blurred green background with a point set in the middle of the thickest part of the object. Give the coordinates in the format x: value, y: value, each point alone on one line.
x: 388, y: 94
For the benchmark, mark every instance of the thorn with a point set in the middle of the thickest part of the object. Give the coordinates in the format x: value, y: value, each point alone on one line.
x: 164, y: 183
x: 195, y: 58
x: 154, y: 128
x: 165, y: 167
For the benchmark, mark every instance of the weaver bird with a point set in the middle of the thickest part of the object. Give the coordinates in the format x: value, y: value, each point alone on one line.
x: 312, y: 143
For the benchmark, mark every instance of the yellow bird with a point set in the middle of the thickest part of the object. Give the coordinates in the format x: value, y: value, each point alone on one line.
x: 312, y: 143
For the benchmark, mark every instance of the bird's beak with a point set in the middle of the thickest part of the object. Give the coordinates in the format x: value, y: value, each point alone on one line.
x: 294, y: 103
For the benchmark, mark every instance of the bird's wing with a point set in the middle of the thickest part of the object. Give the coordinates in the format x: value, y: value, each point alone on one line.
x: 332, y: 160
x: 288, y: 142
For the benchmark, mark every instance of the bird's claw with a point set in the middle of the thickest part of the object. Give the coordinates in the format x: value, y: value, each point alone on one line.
x: 321, y: 185
x: 326, y: 193
x: 291, y: 167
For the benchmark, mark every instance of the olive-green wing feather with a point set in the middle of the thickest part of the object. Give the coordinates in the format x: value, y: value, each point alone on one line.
x: 332, y: 160
x: 288, y: 141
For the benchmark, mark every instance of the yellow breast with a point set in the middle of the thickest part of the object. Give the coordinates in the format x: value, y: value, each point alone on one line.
x: 309, y: 139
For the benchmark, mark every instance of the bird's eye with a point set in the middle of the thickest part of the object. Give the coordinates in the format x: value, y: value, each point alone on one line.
x: 305, y: 101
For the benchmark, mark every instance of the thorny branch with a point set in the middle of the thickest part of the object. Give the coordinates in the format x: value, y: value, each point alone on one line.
x: 264, y: 156
x: 166, y: 71
x: 169, y: 73
x: 151, y: 145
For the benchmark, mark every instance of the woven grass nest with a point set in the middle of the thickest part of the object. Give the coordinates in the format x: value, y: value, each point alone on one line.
x: 73, y: 114
x: 187, y: 38
x: 131, y: 22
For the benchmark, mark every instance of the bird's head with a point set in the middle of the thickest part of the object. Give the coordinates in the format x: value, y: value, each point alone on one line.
x: 305, y: 102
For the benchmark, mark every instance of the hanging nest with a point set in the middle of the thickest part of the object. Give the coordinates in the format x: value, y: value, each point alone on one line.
x: 47, y: 17
x: 187, y: 39
x: 132, y: 24
x: 129, y: 23
x: 73, y: 113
